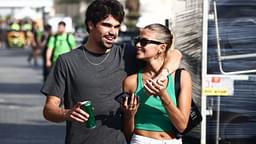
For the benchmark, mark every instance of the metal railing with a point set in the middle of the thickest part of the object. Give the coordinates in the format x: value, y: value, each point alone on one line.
x: 221, y: 57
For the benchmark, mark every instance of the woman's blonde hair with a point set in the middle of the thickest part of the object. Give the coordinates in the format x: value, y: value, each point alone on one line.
x: 163, y: 33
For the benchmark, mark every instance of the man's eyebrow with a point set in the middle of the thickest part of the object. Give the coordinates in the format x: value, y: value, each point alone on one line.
x: 110, y: 25
x: 117, y: 26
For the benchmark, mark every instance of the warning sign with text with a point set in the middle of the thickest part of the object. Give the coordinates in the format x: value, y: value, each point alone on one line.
x: 218, y: 86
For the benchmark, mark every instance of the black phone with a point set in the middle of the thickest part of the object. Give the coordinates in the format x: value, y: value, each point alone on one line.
x: 121, y: 97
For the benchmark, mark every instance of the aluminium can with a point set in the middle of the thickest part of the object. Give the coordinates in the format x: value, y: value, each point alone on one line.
x: 88, y: 108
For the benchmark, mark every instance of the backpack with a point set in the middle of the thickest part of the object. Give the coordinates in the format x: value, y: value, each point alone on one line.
x: 195, y: 116
x: 67, y: 40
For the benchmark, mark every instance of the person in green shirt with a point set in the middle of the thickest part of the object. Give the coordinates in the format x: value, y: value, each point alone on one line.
x: 60, y: 43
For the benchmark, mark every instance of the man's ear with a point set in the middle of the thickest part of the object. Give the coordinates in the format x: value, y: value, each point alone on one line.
x: 90, y: 25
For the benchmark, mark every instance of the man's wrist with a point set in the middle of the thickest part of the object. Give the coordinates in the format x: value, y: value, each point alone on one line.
x: 64, y: 113
x: 165, y: 70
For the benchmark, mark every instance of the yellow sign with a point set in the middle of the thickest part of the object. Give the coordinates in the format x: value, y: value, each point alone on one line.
x: 218, y: 86
x: 216, y: 91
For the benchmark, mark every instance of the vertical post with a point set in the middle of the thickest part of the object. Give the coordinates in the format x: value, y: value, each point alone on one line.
x: 204, y: 69
x: 219, y: 61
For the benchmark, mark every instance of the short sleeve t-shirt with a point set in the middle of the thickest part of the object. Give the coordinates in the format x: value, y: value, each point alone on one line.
x: 74, y: 79
x: 61, y: 46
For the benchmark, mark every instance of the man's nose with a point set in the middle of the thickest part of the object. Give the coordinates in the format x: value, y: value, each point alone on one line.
x: 112, y: 31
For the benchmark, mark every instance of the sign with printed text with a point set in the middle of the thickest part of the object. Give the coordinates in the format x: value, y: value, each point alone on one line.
x: 218, y: 86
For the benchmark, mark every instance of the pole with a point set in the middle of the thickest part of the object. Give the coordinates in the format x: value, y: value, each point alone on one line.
x: 204, y: 69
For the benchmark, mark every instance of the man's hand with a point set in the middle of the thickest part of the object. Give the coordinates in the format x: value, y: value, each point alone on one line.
x: 48, y: 63
x: 76, y: 114
x: 162, y: 76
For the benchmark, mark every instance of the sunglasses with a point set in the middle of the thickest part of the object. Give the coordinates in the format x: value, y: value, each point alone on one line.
x: 143, y: 41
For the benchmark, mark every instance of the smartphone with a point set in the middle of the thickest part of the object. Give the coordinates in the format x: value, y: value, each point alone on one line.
x: 121, y: 97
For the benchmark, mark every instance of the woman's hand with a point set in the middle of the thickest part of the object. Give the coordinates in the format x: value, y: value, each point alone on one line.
x: 156, y: 87
x: 130, y: 105
x: 153, y: 85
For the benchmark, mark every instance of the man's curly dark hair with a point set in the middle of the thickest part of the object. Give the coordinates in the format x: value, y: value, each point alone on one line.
x: 100, y: 9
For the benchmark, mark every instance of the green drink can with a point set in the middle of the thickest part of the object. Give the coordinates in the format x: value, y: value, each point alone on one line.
x: 87, y: 107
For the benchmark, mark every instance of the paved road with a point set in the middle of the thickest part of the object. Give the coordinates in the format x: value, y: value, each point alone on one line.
x: 21, y: 120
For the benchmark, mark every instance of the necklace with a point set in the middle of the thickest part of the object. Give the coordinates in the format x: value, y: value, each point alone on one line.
x: 92, y: 63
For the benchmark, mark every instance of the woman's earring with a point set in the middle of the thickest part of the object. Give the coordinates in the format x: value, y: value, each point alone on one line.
x: 157, y: 55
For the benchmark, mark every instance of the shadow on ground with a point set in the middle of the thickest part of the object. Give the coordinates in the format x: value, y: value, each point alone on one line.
x: 31, y: 134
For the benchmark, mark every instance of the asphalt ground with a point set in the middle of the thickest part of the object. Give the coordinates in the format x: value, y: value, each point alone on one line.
x: 21, y: 103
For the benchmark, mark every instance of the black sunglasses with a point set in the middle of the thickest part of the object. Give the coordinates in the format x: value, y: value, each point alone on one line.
x: 143, y: 41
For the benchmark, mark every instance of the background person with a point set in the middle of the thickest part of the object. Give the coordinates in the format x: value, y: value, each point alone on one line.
x: 27, y: 28
x: 44, y: 41
x: 35, y: 43
x: 60, y: 43
x: 15, y: 25
x: 149, y: 118
x: 94, y: 72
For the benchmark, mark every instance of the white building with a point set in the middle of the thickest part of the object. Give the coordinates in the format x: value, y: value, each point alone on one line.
x: 152, y: 11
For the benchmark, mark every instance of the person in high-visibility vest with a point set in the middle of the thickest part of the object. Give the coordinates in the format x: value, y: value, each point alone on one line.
x: 15, y: 26
x: 27, y: 28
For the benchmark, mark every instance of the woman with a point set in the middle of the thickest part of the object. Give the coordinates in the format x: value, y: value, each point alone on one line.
x: 150, y: 117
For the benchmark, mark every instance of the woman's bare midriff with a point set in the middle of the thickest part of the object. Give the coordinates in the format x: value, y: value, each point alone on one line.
x: 155, y: 135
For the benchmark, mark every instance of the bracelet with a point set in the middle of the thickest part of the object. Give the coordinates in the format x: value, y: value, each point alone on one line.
x: 166, y: 104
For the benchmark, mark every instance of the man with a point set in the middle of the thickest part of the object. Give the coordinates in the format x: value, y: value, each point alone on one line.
x: 60, y: 43
x: 94, y: 72
x: 44, y: 41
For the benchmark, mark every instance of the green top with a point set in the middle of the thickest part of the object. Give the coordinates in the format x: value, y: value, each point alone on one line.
x: 15, y: 26
x: 61, y: 46
x: 27, y: 27
x: 151, y: 114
